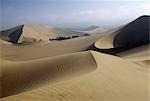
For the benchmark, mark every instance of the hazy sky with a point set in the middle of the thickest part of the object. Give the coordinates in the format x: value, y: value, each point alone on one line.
x: 71, y: 13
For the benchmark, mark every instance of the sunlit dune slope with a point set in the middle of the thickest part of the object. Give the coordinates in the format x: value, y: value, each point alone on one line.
x: 114, y: 79
x: 36, y: 51
x: 139, y: 55
x: 22, y: 76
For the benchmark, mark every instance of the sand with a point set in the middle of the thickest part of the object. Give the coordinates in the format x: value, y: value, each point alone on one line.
x: 36, y: 33
x: 129, y: 36
x: 90, y: 76
x: 114, y: 79
x: 42, y: 71
x: 71, y: 70
x: 140, y: 56
x: 48, y: 49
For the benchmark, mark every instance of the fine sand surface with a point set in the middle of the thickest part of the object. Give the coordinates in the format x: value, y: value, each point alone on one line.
x: 140, y: 56
x: 98, y: 76
x: 72, y: 70
x: 47, y: 49
x: 48, y: 70
x: 114, y: 79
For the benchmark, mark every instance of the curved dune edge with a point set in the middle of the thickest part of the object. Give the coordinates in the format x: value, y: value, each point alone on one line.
x: 105, y: 44
x: 18, y: 77
x: 114, y: 80
x: 134, y: 34
x: 44, y: 50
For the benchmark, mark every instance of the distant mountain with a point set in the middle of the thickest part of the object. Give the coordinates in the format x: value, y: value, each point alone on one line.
x: 93, y: 29
x: 34, y: 33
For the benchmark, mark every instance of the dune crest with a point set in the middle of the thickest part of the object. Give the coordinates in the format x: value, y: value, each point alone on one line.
x: 132, y: 35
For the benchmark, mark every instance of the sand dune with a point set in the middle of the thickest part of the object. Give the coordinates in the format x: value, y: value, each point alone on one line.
x: 42, y: 50
x: 132, y: 35
x: 36, y: 33
x: 39, y: 72
x: 76, y: 69
x: 113, y: 80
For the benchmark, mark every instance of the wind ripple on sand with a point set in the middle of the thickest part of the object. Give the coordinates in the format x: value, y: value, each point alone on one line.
x: 22, y: 76
x: 114, y: 80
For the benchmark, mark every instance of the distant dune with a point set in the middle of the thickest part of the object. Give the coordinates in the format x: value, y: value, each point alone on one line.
x: 114, y: 66
x: 94, y: 30
x: 36, y: 33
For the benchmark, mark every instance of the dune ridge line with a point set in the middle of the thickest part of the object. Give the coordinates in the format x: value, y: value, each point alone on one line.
x: 23, y: 76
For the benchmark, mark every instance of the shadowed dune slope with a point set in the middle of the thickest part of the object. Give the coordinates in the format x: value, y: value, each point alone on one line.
x: 12, y: 35
x: 129, y: 36
x: 27, y: 34
x: 134, y: 34
x: 105, y: 43
x: 22, y: 76
x: 114, y: 80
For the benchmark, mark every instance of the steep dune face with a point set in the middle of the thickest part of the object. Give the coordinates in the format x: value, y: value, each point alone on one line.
x: 25, y: 34
x: 129, y: 36
x: 12, y: 35
x: 34, y: 33
x: 105, y: 43
x: 134, y: 34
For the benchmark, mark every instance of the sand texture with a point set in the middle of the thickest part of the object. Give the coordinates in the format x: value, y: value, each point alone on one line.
x: 106, y: 67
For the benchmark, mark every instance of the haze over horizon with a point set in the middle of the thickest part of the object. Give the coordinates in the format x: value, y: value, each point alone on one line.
x: 71, y: 13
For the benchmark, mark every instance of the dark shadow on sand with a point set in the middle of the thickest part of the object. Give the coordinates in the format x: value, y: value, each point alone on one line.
x: 134, y: 34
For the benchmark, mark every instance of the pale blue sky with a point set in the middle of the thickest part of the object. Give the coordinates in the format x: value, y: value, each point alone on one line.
x: 71, y: 13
